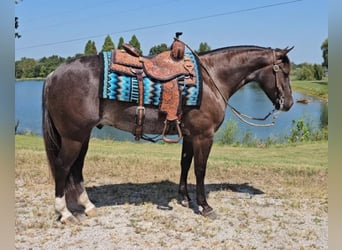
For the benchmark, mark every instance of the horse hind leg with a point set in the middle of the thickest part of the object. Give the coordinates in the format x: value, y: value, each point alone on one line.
x: 68, y: 154
x: 82, y: 199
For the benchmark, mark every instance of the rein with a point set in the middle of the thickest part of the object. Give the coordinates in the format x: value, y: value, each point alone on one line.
x: 238, y: 114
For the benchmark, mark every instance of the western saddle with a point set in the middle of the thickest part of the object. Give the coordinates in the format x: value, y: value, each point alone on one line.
x: 169, y: 68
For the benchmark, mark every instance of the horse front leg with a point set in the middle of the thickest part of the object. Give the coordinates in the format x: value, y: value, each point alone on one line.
x: 186, y: 158
x: 202, y: 146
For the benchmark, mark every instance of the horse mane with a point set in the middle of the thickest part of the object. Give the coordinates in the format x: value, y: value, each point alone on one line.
x: 235, y: 49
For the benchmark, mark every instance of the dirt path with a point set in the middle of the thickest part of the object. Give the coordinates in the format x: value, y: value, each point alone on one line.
x: 137, y: 219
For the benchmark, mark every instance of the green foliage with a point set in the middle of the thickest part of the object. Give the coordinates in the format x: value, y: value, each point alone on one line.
x: 324, y: 48
x: 203, y: 47
x: 31, y: 68
x: 90, y: 48
x: 302, y: 131
x: 307, y: 72
x: 310, y: 72
x: 25, y: 68
x: 121, y: 42
x: 229, y: 133
x: 318, y: 72
x: 314, y: 88
x: 248, y: 139
x: 157, y: 49
x: 70, y: 58
x: 135, y: 43
x: 108, y: 44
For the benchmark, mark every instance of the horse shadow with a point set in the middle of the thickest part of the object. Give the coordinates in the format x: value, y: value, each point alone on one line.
x: 158, y: 193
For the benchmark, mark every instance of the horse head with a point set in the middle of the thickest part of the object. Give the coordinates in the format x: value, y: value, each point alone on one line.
x: 274, y: 79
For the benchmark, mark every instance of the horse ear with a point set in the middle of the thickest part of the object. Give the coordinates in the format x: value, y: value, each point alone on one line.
x: 287, y: 50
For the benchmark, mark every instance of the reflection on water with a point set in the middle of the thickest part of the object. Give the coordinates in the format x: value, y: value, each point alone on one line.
x: 249, y: 100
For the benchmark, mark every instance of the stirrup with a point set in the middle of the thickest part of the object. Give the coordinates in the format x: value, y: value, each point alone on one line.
x: 179, y: 131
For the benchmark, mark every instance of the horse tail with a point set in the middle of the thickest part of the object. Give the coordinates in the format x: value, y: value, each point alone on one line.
x: 52, y: 139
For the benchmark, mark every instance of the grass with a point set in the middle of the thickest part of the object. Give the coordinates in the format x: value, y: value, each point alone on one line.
x: 313, y: 155
x: 313, y: 88
x: 119, y: 162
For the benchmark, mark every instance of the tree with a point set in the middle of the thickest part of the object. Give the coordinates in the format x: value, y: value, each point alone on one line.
x: 70, y: 58
x: 305, y: 72
x: 108, y: 44
x: 18, y: 70
x: 318, y: 71
x: 25, y: 68
x: 90, y: 48
x: 324, y: 48
x: 121, y: 42
x: 157, y: 49
x: 135, y: 43
x: 203, y: 47
x: 31, y: 68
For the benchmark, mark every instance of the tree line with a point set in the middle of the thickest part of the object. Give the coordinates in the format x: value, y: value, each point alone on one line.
x: 32, y: 68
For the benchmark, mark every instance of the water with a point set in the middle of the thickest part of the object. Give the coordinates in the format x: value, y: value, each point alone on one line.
x: 249, y: 100
x: 252, y: 101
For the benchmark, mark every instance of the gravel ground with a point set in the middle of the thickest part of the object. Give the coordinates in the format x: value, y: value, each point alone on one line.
x: 139, y: 216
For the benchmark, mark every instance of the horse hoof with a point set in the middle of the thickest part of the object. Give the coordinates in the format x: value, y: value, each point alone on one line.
x: 92, y: 212
x: 209, y: 213
x: 70, y: 220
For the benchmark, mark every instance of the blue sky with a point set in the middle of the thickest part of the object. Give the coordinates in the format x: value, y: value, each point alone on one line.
x: 63, y: 27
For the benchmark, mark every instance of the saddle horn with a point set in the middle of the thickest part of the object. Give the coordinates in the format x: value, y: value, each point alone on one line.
x: 177, y: 48
x: 178, y: 34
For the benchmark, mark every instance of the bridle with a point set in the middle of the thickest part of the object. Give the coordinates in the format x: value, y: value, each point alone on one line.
x: 276, y: 69
x: 280, y: 98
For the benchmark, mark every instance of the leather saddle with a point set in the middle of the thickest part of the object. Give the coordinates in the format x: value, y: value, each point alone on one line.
x: 162, y: 67
x: 168, y: 68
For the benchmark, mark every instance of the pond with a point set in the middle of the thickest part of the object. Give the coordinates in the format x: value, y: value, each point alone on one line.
x: 249, y: 100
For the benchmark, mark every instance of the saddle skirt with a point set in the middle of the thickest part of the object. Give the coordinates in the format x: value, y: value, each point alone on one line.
x: 159, y: 75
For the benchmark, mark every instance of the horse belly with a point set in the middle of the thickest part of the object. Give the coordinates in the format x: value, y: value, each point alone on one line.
x: 122, y: 116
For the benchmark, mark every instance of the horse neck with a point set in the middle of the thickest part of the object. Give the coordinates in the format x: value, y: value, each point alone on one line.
x: 232, y: 67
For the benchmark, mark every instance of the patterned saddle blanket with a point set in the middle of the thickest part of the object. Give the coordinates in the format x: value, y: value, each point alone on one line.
x: 122, y: 86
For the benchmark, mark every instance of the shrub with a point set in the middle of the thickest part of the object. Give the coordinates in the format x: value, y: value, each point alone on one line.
x: 302, y: 131
x: 229, y: 133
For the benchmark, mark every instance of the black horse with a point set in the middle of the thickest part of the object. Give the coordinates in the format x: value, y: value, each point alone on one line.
x: 72, y: 107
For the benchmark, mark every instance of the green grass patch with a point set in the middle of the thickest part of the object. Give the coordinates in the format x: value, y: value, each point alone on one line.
x: 296, y: 169
x: 29, y: 142
x: 286, y: 155
x: 313, y: 88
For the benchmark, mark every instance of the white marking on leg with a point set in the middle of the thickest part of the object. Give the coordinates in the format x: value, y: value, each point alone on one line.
x: 61, y: 208
x: 83, y: 200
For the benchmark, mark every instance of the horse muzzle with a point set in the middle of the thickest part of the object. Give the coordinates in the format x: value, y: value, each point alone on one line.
x: 284, y: 105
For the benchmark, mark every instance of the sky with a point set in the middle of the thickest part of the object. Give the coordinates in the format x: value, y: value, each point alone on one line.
x: 63, y: 27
